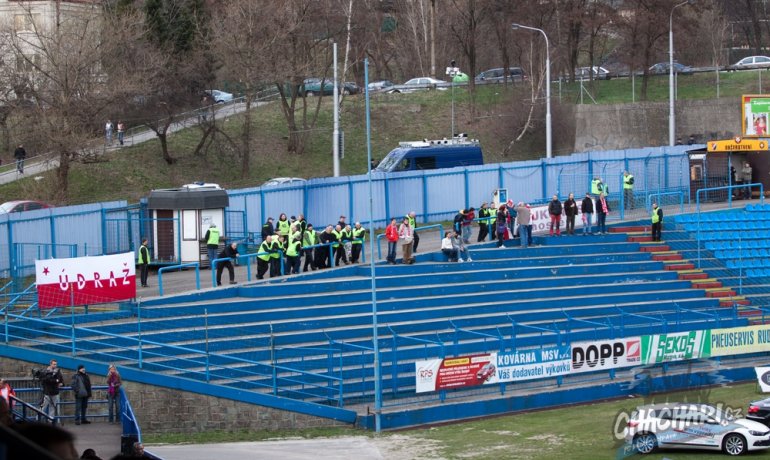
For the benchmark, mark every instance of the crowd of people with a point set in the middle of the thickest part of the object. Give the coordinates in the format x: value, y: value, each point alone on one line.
x: 25, y: 439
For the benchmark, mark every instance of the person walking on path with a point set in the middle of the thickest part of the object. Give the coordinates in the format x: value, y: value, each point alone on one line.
x: 391, y: 233
x: 81, y: 388
x: 587, y: 208
x: 406, y: 235
x: 143, y: 261
x: 121, y: 132
x: 657, y: 222
x: 628, y: 190
x: 20, y: 154
x: 108, y: 127
x: 113, y: 394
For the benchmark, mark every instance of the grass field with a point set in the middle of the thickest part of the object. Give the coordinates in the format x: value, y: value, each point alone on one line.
x: 582, y: 432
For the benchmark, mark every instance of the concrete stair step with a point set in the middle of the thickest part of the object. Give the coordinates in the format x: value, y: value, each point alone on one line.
x: 639, y: 238
x: 684, y: 275
x: 680, y: 266
x: 706, y: 284
x: 720, y: 292
x: 667, y: 257
x: 655, y: 248
x: 730, y: 302
x: 629, y: 228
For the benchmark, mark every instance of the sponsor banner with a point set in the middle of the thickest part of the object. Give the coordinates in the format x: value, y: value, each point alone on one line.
x: 755, y: 114
x: 763, y: 378
x: 679, y: 346
x: 85, y: 280
x: 602, y: 355
x: 466, y: 371
x: 740, y: 340
x: 541, y: 220
x: 462, y: 371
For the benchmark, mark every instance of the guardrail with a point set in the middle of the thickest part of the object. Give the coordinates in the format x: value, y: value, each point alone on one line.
x: 418, y: 229
x: 179, y: 267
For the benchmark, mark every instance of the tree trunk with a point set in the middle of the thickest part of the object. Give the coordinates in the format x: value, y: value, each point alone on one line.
x: 246, y: 140
x: 62, y: 176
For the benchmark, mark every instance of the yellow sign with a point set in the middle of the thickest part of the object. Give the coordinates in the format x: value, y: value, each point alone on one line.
x: 740, y: 340
x: 738, y: 144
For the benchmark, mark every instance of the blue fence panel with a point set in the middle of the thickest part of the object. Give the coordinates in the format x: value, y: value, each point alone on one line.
x: 482, y: 182
x: 446, y: 193
x: 360, y: 211
x: 523, y: 181
x: 406, y: 194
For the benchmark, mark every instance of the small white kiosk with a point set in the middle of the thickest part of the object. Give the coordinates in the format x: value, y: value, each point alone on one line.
x: 179, y: 219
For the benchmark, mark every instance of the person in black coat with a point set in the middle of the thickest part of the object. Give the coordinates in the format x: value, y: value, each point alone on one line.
x: 81, y: 387
x: 268, y: 229
x: 570, y: 210
x: 230, y: 252
x: 587, y: 208
x: 554, y: 210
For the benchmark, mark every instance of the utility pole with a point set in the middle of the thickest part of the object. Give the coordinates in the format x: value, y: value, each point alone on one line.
x: 433, y: 38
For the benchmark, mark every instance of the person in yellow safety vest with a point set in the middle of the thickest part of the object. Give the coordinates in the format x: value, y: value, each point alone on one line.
x: 309, y: 238
x: 597, y: 186
x: 212, y: 242
x: 339, y: 245
x: 359, y: 236
x: 263, y: 256
x: 293, y: 255
x: 413, y: 225
x: 294, y: 233
x: 276, y: 252
x: 657, y: 222
x: 484, y: 222
x: 283, y: 226
x: 628, y: 190
x: 143, y: 261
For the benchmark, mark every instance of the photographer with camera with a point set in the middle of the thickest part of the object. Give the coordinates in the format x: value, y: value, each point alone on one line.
x: 51, y: 380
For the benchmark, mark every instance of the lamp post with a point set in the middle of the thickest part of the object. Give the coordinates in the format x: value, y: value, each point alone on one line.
x: 452, y: 72
x: 548, y: 138
x: 671, y: 115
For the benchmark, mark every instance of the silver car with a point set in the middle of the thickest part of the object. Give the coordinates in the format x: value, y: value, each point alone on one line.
x: 693, y: 426
x: 751, y: 62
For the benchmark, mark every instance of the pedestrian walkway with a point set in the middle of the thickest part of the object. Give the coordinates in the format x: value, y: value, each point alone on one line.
x: 39, y: 164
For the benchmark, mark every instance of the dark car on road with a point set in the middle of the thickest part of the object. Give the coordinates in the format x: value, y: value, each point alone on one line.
x: 318, y: 86
x: 498, y: 75
x: 661, y: 68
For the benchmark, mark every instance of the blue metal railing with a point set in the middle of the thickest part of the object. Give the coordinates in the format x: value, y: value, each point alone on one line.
x: 179, y: 267
x: 418, y: 229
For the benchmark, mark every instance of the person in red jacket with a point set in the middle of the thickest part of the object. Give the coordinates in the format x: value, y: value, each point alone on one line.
x: 391, y: 233
x: 6, y: 392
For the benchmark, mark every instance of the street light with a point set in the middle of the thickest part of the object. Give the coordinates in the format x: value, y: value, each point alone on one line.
x: 548, y: 143
x: 452, y: 71
x: 671, y: 115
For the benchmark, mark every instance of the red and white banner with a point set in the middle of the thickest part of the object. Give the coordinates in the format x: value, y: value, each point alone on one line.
x: 85, y: 280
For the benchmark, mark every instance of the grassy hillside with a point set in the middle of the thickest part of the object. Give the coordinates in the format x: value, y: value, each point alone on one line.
x: 500, y: 112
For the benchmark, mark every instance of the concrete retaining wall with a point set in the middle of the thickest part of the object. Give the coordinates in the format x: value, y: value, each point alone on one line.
x: 623, y: 126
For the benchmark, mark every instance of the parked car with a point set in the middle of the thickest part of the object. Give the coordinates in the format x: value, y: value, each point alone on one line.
x: 422, y: 84
x: 220, y: 97
x: 22, y: 205
x: 317, y: 86
x: 693, y: 426
x: 595, y: 73
x: 284, y: 181
x: 661, y: 68
x: 382, y: 86
x: 751, y: 62
x: 759, y: 411
x: 498, y: 75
